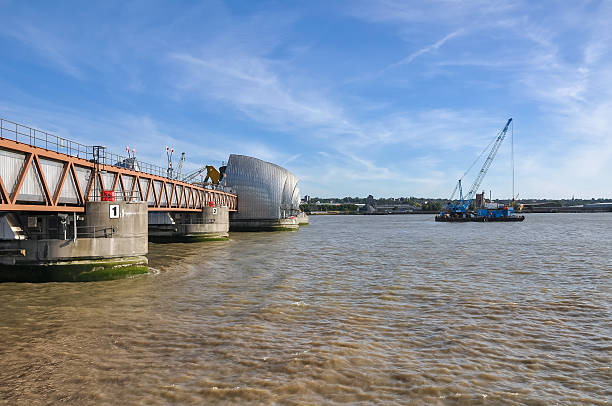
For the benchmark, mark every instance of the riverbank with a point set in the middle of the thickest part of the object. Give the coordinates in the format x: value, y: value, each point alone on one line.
x: 537, y: 209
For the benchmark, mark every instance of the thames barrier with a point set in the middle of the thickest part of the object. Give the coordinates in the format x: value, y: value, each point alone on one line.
x: 72, y: 212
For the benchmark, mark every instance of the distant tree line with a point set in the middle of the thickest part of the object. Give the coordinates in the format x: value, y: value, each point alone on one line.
x: 349, y: 204
x: 343, y: 207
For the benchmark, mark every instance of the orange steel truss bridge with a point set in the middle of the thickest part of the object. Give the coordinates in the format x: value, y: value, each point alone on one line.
x: 40, y: 172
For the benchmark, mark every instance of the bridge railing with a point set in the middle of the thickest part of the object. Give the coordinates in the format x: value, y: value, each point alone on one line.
x: 42, y: 139
x: 67, y: 232
x: 122, y: 161
x: 93, y: 232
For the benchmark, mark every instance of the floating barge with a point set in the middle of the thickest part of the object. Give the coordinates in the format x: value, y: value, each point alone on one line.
x: 481, y: 216
x: 461, y: 212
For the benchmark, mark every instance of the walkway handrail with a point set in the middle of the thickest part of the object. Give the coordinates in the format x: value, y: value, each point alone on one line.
x: 42, y: 139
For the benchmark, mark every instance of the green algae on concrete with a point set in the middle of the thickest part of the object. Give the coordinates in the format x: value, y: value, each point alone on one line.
x: 282, y: 228
x: 186, y: 238
x: 203, y: 238
x: 75, y: 271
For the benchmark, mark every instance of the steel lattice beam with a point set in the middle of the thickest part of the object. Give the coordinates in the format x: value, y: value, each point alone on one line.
x: 183, y: 197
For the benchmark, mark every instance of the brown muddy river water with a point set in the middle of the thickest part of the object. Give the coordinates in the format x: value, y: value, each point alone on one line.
x: 349, y: 310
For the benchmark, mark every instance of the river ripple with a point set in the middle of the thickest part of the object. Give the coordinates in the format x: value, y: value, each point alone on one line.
x: 351, y: 309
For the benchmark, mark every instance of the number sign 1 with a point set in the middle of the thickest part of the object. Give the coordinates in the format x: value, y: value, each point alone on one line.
x: 113, y: 211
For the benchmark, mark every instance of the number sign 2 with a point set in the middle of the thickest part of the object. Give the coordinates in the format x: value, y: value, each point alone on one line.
x: 113, y: 211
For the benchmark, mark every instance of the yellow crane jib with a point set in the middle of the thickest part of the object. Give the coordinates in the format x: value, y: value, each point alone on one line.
x: 213, y: 174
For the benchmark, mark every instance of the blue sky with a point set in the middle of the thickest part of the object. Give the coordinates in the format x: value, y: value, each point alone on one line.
x: 383, y: 97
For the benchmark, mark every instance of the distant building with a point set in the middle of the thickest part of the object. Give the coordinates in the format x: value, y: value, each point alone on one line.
x: 366, y: 208
x: 480, y: 200
x: 307, y: 199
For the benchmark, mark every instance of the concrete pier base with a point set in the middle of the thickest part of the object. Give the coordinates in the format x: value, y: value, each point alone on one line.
x: 212, y: 224
x: 302, y: 219
x: 289, y: 224
x: 110, y: 242
x: 87, y: 270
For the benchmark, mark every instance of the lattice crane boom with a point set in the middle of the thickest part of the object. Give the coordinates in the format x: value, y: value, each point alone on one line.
x: 180, y: 167
x: 192, y: 176
x: 486, y: 165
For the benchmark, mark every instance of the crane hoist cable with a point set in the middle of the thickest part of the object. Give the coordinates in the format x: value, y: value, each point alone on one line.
x: 471, y: 166
x: 483, y: 171
x: 464, y: 203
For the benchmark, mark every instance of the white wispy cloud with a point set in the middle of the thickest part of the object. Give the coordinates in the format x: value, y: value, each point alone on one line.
x: 250, y: 84
x: 258, y: 88
x: 291, y: 159
x: 237, y: 70
x: 427, y: 49
x: 247, y: 69
x: 568, y: 92
x: 147, y: 135
x: 441, y: 13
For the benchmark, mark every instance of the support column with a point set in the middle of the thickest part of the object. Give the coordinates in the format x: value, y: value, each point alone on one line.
x: 280, y: 224
x: 211, y: 224
x: 111, y: 242
x: 302, y: 219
